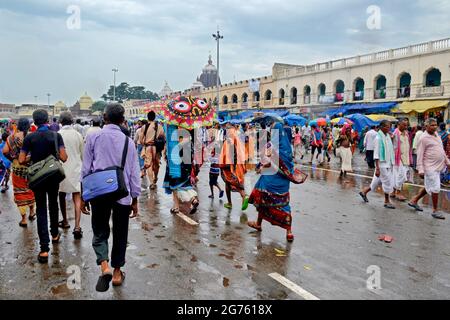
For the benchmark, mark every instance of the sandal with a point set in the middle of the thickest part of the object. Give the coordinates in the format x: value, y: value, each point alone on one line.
x: 42, y: 259
x: 56, y: 239
x: 63, y: 226
x: 103, y: 282
x: 254, y: 225
x: 195, y: 204
x: 32, y: 217
x: 174, y: 210
x: 23, y: 225
x: 228, y: 206
x: 77, y: 233
x: 122, y: 279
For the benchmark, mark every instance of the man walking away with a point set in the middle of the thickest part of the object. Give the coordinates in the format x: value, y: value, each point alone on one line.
x: 104, y: 149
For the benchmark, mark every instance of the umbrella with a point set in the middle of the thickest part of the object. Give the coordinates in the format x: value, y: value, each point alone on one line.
x: 320, y: 122
x: 268, y: 118
x: 188, y: 113
x: 381, y: 117
x: 295, y: 120
x: 341, y: 121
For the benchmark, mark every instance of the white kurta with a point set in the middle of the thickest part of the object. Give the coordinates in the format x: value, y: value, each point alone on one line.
x: 73, y: 142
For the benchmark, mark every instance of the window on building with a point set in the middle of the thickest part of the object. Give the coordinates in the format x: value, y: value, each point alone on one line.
x: 294, y: 95
x: 281, y: 96
x: 433, y: 78
x: 359, y: 89
x: 404, y: 85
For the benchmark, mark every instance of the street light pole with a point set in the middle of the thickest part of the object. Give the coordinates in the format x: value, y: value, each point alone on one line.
x: 114, y: 89
x: 218, y: 37
x: 48, y: 104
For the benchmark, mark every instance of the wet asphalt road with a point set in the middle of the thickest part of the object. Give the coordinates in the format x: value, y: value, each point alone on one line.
x: 221, y: 258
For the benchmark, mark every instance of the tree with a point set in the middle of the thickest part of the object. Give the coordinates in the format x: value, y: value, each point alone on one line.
x: 125, y: 92
x: 98, y: 106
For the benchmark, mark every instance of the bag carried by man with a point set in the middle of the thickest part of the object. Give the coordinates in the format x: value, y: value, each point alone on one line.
x: 107, y: 184
x: 49, y: 169
x: 158, y: 142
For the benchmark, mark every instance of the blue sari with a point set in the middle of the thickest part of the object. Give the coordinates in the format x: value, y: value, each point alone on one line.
x: 271, y: 193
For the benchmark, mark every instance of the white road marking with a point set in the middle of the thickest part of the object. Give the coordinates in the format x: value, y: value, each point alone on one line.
x: 363, y: 176
x: 293, y: 287
x: 187, y: 219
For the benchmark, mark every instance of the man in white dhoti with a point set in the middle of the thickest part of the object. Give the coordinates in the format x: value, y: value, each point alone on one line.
x: 384, y: 162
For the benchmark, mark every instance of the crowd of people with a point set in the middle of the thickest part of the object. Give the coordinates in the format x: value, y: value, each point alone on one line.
x: 126, y: 156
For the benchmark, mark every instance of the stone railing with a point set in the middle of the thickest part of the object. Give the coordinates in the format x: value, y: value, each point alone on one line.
x: 422, y: 48
x: 430, y: 92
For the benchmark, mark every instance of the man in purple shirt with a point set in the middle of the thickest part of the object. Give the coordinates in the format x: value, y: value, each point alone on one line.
x: 103, y: 149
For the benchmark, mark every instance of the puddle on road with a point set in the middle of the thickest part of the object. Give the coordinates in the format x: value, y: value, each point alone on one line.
x: 60, y: 290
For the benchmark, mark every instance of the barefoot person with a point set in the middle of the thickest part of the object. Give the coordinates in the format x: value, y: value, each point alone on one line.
x: 384, y: 161
x: 271, y: 193
x: 105, y: 149
x: 431, y: 162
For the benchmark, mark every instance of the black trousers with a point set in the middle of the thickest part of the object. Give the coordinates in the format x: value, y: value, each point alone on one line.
x: 101, y: 214
x: 47, y: 191
x: 370, y: 160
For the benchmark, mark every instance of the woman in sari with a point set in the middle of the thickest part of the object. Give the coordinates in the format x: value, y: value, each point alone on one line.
x: 23, y: 196
x: 271, y: 193
x: 232, y: 165
x: 180, y: 176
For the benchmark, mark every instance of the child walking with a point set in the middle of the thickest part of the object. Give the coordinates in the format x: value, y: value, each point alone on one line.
x: 214, y: 172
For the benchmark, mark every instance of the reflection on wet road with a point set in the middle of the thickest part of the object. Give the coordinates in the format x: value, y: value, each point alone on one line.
x: 221, y: 258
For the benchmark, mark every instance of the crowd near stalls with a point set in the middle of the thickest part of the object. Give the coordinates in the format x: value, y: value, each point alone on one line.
x: 105, y: 164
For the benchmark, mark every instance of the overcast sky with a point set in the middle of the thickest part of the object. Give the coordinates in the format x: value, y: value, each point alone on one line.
x: 157, y: 40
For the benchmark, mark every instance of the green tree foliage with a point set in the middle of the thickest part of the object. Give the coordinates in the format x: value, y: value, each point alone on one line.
x: 98, y: 106
x: 125, y: 92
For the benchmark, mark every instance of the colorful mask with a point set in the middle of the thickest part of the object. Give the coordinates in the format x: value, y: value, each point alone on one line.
x: 188, y: 112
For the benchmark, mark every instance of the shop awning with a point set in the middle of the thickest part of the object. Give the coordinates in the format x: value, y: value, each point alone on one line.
x: 422, y: 106
x: 367, y: 108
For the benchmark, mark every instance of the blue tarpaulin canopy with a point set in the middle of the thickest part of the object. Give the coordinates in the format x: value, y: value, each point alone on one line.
x: 361, y: 121
x: 295, y: 120
x: 226, y: 115
x: 361, y: 108
x: 365, y: 108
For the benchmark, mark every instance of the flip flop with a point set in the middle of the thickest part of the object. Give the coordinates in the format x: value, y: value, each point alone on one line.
x: 103, y: 282
x: 389, y: 206
x: 174, y: 211
x: 23, y: 225
x: 366, y: 200
x: 195, y: 205
x: 63, y: 226
x: 245, y: 203
x: 228, y: 206
x: 415, y: 206
x: 32, y: 217
x: 122, y: 279
x: 42, y: 259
